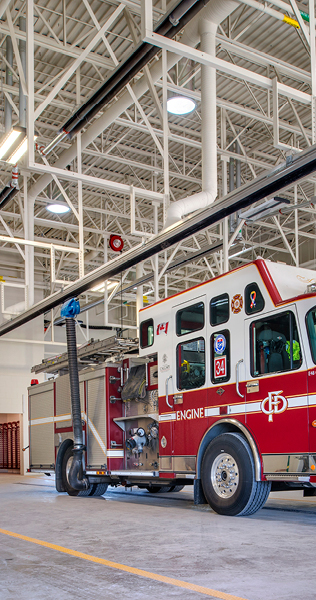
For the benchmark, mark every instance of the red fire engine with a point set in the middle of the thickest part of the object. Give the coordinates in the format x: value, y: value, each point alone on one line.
x: 220, y: 395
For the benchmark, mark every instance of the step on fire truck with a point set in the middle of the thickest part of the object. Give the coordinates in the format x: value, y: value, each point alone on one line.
x: 220, y: 394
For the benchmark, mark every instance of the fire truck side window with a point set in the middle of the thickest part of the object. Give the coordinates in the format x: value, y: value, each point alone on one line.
x: 190, y: 319
x: 311, y: 329
x: 220, y: 356
x: 219, y: 309
x: 146, y: 333
x: 191, y: 364
x: 275, y: 345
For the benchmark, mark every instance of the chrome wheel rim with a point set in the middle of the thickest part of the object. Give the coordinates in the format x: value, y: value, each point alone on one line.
x: 224, y: 475
x: 68, y: 465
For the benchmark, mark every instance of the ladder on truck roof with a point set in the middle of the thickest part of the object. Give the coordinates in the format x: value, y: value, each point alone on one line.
x: 93, y: 352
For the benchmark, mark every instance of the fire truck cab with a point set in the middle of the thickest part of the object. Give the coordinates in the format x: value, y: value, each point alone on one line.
x: 222, y: 395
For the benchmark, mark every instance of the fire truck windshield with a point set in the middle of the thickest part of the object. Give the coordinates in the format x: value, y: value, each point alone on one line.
x: 311, y: 329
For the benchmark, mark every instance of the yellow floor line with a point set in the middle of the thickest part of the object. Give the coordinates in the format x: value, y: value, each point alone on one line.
x: 140, y: 572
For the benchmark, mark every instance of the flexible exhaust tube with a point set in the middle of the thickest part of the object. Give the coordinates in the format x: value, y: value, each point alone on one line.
x: 75, y: 477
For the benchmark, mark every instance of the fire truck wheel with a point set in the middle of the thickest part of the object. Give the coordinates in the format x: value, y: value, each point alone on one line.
x: 99, y: 489
x: 228, y: 477
x: 66, y: 464
x: 176, y: 488
x: 156, y: 489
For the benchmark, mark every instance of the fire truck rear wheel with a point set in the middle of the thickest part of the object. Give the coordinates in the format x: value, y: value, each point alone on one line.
x: 156, y: 489
x: 176, y: 488
x: 66, y: 464
x: 99, y: 489
x: 228, y: 477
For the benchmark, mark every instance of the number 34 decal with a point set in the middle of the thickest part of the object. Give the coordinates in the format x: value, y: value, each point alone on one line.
x: 220, y: 366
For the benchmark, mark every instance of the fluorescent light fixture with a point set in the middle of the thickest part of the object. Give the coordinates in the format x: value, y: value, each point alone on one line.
x: 8, y: 141
x: 267, y: 208
x: 19, y: 152
x: 58, y: 209
x: 180, y: 105
x: 101, y: 286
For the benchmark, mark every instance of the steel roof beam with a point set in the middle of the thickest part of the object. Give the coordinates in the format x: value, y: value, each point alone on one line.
x: 48, y: 43
x: 281, y: 177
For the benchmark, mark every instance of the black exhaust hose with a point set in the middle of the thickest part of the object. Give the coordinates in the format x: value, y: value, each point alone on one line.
x: 75, y: 473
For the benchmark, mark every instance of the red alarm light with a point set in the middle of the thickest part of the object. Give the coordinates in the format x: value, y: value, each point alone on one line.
x: 116, y: 243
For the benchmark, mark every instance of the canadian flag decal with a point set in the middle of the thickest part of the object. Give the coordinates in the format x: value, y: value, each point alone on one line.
x: 162, y: 328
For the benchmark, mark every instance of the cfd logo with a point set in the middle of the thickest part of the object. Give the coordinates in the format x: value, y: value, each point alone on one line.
x: 273, y: 404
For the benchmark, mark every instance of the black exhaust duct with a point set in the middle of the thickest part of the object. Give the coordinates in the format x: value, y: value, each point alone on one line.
x: 169, y: 26
x: 7, y: 194
x: 75, y: 475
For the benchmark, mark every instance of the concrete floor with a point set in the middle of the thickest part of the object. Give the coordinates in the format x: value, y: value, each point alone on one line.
x: 268, y: 556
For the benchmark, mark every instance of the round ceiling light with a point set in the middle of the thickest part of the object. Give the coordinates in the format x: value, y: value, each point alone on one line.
x: 59, y: 209
x: 180, y: 105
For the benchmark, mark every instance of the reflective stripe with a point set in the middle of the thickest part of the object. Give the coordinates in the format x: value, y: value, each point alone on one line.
x: 253, y: 407
x: 211, y: 412
x: 95, y: 432
x: 168, y: 417
x: 115, y: 453
x: 61, y: 418
x: 50, y: 420
x: 298, y: 401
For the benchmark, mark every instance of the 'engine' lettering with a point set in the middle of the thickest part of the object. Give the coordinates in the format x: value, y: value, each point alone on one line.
x: 191, y: 413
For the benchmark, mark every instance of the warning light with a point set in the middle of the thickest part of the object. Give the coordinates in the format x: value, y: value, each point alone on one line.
x: 34, y: 381
x: 313, y: 467
x: 116, y: 243
x: 314, y: 423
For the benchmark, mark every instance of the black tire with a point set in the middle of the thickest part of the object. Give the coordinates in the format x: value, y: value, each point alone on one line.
x: 99, y: 489
x: 228, y: 477
x: 176, y: 488
x: 59, y: 479
x: 158, y: 489
x: 65, y: 468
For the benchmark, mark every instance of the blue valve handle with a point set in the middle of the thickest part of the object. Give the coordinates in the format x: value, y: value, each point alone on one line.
x: 70, y: 309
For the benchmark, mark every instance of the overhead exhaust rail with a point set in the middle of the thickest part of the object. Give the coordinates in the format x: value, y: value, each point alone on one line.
x: 284, y: 175
x: 176, y: 264
x: 169, y: 26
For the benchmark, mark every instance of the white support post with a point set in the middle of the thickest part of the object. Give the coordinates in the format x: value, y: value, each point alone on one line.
x: 156, y: 256
x: 224, y: 160
x: 313, y: 65
x: 297, y: 262
x: 80, y: 210
x: 106, y: 305
x: 52, y: 325
x: 146, y: 18
x: 30, y: 79
x: 139, y: 293
x: 52, y: 265
x: 165, y: 133
x: 29, y: 200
